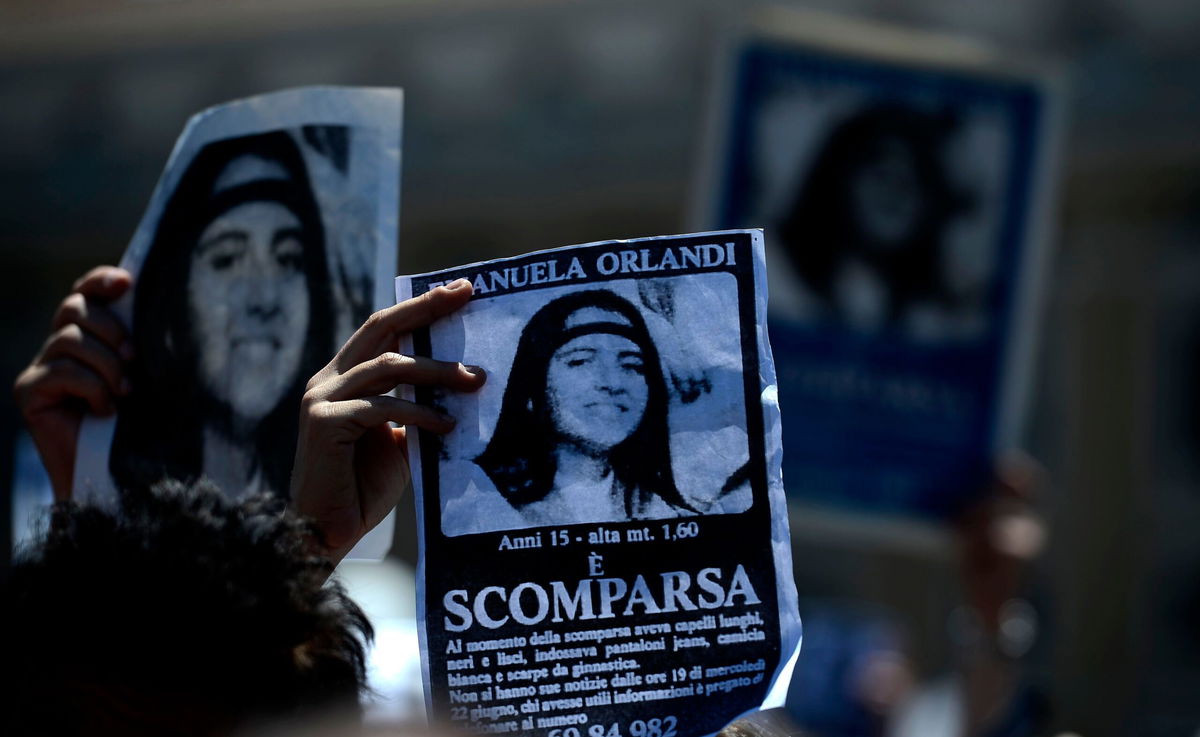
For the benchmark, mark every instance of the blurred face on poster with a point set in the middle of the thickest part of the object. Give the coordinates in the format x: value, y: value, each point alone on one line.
x: 249, y: 304
x: 868, y: 231
x: 232, y: 313
x: 885, y: 195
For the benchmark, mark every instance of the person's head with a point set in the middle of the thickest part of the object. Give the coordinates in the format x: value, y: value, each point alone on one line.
x: 181, y: 612
x: 586, y: 374
x: 232, y: 309
x: 879, y: 190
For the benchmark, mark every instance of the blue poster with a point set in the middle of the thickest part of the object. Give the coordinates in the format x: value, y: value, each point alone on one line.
x: 902, y: 202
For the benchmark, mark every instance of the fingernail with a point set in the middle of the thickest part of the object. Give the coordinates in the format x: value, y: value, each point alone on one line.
x: 447, y: 418
x: 474, y: 370
x: 457, y: 284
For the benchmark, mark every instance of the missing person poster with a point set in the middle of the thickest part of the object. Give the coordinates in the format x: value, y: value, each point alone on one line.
x: 269, y: 239
x: 903, y: 182
x: 604, y: 540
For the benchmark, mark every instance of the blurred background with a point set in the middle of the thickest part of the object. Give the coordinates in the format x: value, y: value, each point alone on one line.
x: 538, y: 123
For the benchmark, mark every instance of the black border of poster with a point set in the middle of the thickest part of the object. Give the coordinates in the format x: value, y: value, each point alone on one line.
x: 471, y: 562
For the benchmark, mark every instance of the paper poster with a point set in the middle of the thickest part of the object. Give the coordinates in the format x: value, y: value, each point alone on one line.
x: 604, y: 541
x: 902, y: 183
x: 269, y: 239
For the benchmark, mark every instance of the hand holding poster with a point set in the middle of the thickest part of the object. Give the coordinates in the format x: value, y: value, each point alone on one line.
x: 603, y: 535
x: 270, y: 237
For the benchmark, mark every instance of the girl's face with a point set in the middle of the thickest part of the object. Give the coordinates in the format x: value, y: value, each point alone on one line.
x: 886, y: 195
x: 596, y: 388
x: 249, y: 306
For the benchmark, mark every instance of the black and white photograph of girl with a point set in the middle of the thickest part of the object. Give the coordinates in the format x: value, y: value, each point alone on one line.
x: 884, y: 213
x: 604, y: 403
x: 254, y: 272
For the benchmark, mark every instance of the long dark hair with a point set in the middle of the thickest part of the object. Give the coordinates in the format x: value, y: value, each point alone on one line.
x: 520, y: 457
x: 821, y: 228
x: 160, y: 427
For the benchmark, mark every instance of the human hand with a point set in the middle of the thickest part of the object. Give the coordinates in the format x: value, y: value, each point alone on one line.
x: 80, y: 367
x: 1000, y: 536
x: 351, y: 465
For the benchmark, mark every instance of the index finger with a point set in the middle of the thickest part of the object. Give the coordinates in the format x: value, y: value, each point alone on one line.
x: 103, y: 283
x: 382, y: 330
x: 93, y: 316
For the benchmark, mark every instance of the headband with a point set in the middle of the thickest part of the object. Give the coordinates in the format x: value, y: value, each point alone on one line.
x: 283, y: 191
x: 611, y: 328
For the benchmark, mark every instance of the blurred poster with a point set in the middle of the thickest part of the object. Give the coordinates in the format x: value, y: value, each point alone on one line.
x: 604, y: 539
x: 270, y: 237
x: 903, y: 184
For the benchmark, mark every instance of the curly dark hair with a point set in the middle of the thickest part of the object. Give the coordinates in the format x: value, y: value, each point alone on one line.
x: 180, y: 612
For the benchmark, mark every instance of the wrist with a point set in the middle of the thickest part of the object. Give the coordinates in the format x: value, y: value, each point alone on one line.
x: 1012, y: 637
